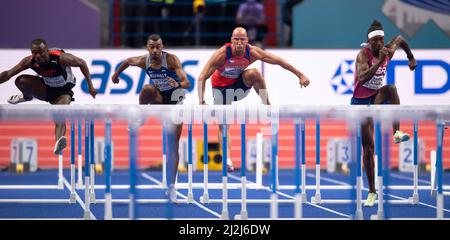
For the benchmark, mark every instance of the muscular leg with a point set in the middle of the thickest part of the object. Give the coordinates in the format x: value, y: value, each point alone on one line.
x: 31, y: 86
x: 175, y: 154
x: 253, y: 78
x: 368, y: 151
x: 60, y: 124
x: 388, y: 93
x: 150, y: 95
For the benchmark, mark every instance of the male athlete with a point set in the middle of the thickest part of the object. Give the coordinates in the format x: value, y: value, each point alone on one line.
x: 232, y: 81
x: 371, y: 64
x: 53, y: 83
x: 167, y: 84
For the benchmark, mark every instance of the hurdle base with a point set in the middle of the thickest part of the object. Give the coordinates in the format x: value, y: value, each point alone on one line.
x: 204, y: 198
x: 359, y: 215
x: 242, y: 216
x: 304, y: 198
x: 378, y: 216
x: 60, y: 184
x: 317, y: 199
x: 92, y: 198
x: 433, y: 193
x: 190, y: 197
x: 414, y: 199
x: 73, y: 197
x: 87, y: 215
x: 225, y: 215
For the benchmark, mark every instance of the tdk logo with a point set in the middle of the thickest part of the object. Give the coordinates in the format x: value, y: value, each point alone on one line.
x: 343, y: 78
x: 105, y: 78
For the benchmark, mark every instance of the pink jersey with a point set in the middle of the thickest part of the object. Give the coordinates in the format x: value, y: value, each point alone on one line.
x: 232, y: 68
x: 370, y: 87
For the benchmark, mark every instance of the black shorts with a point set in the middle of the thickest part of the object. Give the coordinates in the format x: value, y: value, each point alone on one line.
x: 54, y: 93
x: 362, y: 101
x: 236, y: 91
x: 170, y: 99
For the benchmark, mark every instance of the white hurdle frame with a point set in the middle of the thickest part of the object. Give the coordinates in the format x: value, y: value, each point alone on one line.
x: 130, y: 114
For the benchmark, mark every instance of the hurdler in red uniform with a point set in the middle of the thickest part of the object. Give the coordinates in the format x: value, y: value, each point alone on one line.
x: 53, y: 83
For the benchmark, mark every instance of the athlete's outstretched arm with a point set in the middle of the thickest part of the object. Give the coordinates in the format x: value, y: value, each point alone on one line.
x: 259, y: 54
x: 365, y: 73
x: 216, y: 60
x: 68, y: 59
x: 138, y: 61
x: 397, y: 42
x: 21, y: 66
x: 175, y: 64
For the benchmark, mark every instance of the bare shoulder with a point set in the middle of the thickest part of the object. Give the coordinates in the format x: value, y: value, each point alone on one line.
x: 362, y: 55
x: 172, y: 58
x: 26, y: 61
x: 219, y: 56
x: 173, y: 61
x: 255, y: 49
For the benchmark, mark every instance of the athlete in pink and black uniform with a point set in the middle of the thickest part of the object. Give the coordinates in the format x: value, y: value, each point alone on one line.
x: 231, y: 80
x: 53, y: 84
x: 371, y: 64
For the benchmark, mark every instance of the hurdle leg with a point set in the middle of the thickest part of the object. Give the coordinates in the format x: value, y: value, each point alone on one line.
x: 303, y: 169
x: 92, y: 158
x: 379, y: 162
x: 87, y: 211
x: 259, y: 159
x: 359, y: 213
x: 108, y: 196
x: 133, y: 173
x: 205, y: 197
x: 273, y: 195
x: 225, y: 215
x: 60, y: 171
x: 433, y: 173
x: 415, y: 197
x: 80, y: 157
x: 164, y: 159
x: 72, y: 162
x: 190, y: 195
x: 316, y: 199
x: 244, y: 213
x: 439, y: 171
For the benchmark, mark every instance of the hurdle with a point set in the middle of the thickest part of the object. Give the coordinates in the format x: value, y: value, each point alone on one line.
x: 80, y: 156
x: 285, y: 112
x: 437, y: 188
x: 59, y: 185
x: 317, y: 199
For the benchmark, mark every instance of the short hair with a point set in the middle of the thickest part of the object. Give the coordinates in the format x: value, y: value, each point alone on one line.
x: 154, y: 37
x: 376, y: 25
x: 38, y: 41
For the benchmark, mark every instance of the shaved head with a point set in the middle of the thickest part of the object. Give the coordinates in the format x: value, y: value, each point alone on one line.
x: 239, y: 31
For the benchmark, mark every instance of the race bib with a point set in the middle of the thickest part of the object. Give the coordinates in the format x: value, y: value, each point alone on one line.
x: 232, y: 72
x: 162, y: 84
x: 375, y: 83
x: 58, y: 81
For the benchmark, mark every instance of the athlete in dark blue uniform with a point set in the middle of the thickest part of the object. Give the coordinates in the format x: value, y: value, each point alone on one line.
x: 167, y: 84
x: 53, y: 83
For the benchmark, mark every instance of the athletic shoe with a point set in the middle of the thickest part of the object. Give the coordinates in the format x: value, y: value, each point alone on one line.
x: 400, y: 136
x: 230, y: 167
x: 15, y: 99
x: 370, y: 200
x: 60, y: 145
